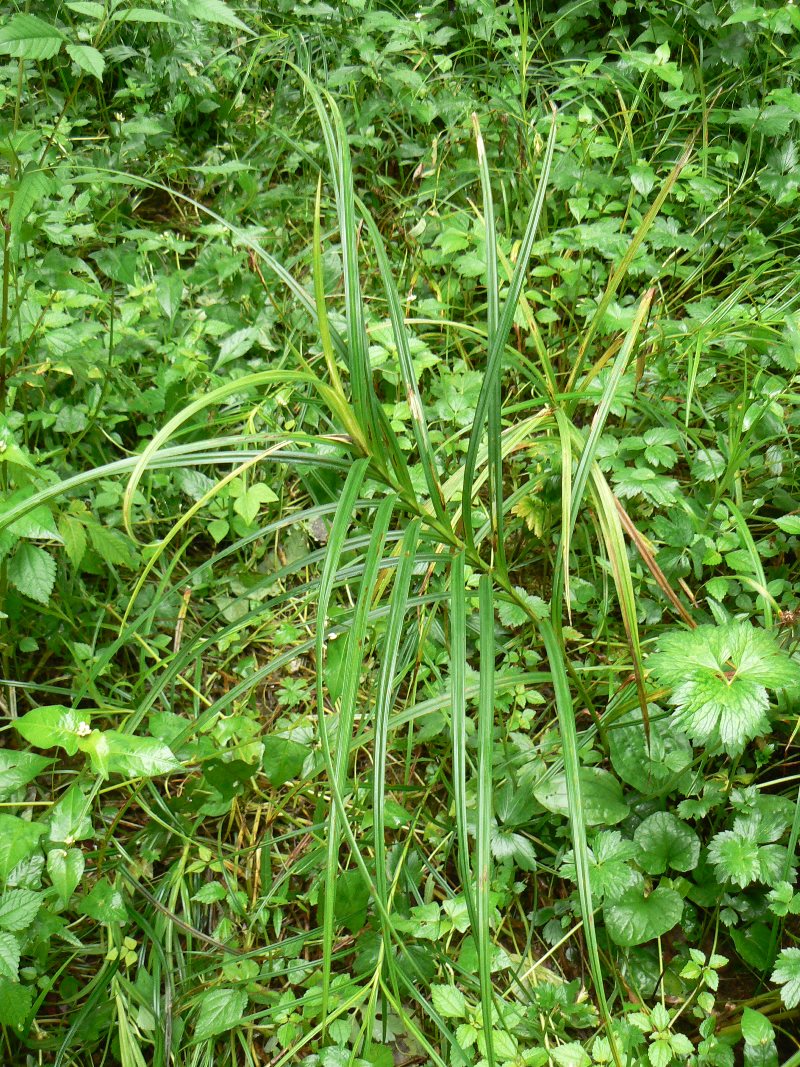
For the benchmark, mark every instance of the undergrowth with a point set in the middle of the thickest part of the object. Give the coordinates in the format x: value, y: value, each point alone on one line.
x: 399, y: 533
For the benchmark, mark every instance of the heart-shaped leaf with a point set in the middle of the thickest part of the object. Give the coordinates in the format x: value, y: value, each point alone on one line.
x: 636, y: 918
x: 665, y: 841
x: 602, y: 796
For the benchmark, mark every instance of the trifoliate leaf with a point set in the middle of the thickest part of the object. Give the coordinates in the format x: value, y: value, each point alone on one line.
x: 787, y: 975
x: 635, y: 918
x: 720, y: 676
x: 666, y: 842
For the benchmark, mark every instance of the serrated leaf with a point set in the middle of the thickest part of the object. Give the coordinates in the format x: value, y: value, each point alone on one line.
x: 16, y: 1002
x: 220, y: 1010
x: 65, y: 867
x: 54, y: 726
x: 18, y: 840
x: 211, y: 893
x: 449, y: 1001
x: 89, y: 8
x: 789, y: 524
x: 787, y: 975
x: 32, y: 570
x: 9, y: 956
x: 19, y: 768
x: 666, y: 842
x: 105, y: 904
x: 28, y: 37
x: 73, y: 533
x: 88, y: 59
x: 636, y: 918
x: 720, y: 676
x: 112, y: 545
x: 18, y: 908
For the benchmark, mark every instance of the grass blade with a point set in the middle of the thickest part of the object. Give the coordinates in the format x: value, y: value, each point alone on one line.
x: 483, y: 853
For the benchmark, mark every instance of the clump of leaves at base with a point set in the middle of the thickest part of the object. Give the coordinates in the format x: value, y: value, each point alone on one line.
x: 720, y: 678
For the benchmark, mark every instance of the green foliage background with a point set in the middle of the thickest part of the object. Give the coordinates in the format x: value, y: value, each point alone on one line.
x: 399, y: 530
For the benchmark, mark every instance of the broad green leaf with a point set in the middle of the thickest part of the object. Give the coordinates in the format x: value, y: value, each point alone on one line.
x: 32, y: 570
x: 651, y: 769
x: 65, y: 867
x: 283, y: 759
x: 220, y: 1010
x: 112, y: 545
x: 28, y: 37
x: 88, y: 59
x: 70, y: 818
x: 217, y: 12
x: 141, y: 14
x: 18, y: 908
x: 19, y: 768
x: 16, y: 1002
x: 719, y: 676
x: 211, y: 893
x: 789, y: 524
x: 90, y: 8
x: 756, y: 1028
x: 666, y: 842
x: 787, y: 976
x: 352, y: 900
x: 18, y: 840
x: 449, y: 1001
x: 139, y: 757
x: 105, y: 904
x: 33, y: 185
x: 249, y: 502
x: 9, y: 956
x: 54, y: 726
x: 636, y: 918
x: 602, y: 796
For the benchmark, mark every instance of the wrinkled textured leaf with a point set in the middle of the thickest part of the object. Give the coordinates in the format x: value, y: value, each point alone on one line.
x: 220, y: 1010
x: 635, y: 918
x: 32, y: 570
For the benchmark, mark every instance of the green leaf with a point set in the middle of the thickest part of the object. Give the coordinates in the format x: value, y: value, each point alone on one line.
x: 54, y: 726
x: 33, y: 185
x: 449, y: 1001
x: 141, y: 14
x: 665, y: 841
x: 211, y: 893
x: 138, y: 757
x: 602, y: 796
x: 636, y: 918
x: 28, y: 37
x: 89, y: 8
x: 789, y: 524
x: 249, y: 502
x: 720, y: 676
x: 19, y: 768
x: 787, y: 975
x: 105, y: 904
x: 217, y: 12
x: 73, y: 533
x: 756, y: 1028
x: 651, y: 769
x: 220, y: 1010
x: 112, y: 545
x: 70, y: 819
x: 65, y: 867
x: 18, y: 840
x: 9, y: 956
x: 32, y: 571
x: 352, y: 900
x: 283, y: 759
x: 18, y: 908
x: 16, y: 1002
x: 88, y: 59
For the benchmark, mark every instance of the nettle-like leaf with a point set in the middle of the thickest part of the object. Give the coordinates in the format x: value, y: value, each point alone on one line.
x: 720, y: 677
x: 748, y: 853
x: 787, y: 975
